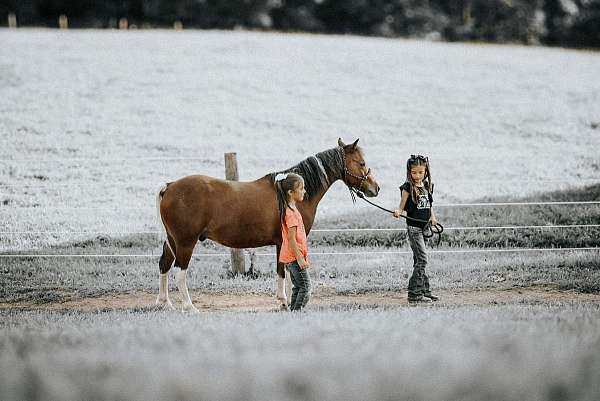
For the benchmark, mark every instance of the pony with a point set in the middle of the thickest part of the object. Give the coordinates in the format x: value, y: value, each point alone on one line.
x: 245, y: 214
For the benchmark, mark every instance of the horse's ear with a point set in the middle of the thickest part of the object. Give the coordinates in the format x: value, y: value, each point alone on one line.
x: 354, y: 144
x: 341, y: 143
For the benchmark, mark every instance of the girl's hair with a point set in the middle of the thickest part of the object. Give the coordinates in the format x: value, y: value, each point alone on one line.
x: 284, y: 183
x: 413, y: 161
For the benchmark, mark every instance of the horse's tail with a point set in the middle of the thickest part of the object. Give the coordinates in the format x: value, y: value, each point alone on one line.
x: 159, y: 197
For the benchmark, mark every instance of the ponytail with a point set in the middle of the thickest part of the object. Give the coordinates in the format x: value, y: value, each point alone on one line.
x: 282, y: 200
x: 283, y: 183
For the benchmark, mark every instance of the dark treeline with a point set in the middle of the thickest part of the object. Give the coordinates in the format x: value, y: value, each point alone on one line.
x: 573, y: 23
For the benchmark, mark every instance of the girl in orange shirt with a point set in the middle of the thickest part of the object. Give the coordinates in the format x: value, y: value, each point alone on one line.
x: 294, y: 248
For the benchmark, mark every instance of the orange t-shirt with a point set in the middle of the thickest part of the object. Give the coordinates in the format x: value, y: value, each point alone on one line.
x: 293, y: 218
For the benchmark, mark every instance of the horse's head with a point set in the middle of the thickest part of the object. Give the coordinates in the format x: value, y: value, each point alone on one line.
x: 356, y: 172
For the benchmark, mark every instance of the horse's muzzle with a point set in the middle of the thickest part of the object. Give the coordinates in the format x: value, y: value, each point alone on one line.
x: 371, y: 190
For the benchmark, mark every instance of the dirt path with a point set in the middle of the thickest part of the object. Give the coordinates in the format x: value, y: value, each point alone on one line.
x: 219, y: 302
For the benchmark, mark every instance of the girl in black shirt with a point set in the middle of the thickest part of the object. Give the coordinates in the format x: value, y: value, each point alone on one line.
x: 416, y: 202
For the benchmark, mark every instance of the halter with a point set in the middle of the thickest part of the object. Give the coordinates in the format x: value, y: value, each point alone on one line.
x: 347, y: 172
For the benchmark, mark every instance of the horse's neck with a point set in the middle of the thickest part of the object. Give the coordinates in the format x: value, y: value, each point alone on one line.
x: 310, y: 205
x: 314, y: 200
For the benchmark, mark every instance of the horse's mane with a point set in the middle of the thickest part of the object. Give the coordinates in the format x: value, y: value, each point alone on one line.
x: 319, y: 171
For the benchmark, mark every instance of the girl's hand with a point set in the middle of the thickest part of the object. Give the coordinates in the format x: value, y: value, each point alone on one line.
x: 433, y: 220
x: 398, y: 213
x: 303, y: 264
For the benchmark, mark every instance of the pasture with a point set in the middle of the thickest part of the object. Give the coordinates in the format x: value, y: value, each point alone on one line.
x: 92, y: 123
x: 513, y: 352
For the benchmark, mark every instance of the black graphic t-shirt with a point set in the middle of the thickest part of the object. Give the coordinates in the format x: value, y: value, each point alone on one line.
x: 421, y: 210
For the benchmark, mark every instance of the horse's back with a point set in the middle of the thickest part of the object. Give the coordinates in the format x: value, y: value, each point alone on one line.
x: 234, y: 213
x: 203, y: 188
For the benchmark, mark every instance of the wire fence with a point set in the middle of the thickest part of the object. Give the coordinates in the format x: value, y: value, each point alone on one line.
x: 448, y: 205
x: 316, y: 254
x: 106, y: 159
x: 153, y: 185
x: 318, y: 230
x: 206, y: 159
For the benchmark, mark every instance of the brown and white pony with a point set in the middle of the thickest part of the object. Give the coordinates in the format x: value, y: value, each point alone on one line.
x: 245, y: 214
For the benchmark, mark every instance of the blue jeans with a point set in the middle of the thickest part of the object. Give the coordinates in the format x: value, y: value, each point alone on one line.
x: 419, y: 282
x: 301, y: 282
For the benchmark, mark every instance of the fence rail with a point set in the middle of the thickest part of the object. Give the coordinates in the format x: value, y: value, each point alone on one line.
x: 480, y: 204
x: 322, y: 230
x: 316, y: 254
x: 106, y: 159
x: 133, y: 159
x: 153, y: 186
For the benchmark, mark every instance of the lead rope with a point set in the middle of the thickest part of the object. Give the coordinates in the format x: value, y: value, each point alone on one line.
x: 428, y: 231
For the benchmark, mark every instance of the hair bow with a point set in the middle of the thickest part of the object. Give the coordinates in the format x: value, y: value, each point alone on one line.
x: 280, y: 177
x: 419, y: 157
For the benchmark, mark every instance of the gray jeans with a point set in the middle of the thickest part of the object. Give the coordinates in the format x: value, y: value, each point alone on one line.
x: 301, y: 282
x: 419, y: 282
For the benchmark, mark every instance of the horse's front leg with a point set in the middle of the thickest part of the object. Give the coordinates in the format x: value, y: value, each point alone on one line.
x: 288, y: 286
x: 281, y: 293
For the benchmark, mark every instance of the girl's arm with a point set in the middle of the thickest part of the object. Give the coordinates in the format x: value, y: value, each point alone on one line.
x: 294, y: 245
x: 433, y: 219
x: 403, y: 199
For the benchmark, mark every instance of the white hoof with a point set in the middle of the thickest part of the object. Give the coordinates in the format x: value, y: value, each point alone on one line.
x: 164, y: 303
x: 189, y: 308
x: 283, y: 304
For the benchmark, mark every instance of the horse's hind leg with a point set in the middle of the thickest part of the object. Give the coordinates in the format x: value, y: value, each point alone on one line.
x: 184, y: 254
x: 164, y: 265
x: 280, y: 278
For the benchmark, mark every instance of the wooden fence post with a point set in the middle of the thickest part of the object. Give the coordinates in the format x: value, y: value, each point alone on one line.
x: 238, y: 265
x: 12, y: 20
x: 467, y: 12
x: 63, y: 22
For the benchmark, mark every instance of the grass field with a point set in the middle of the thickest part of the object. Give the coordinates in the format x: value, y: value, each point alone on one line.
x: 117, y: 114
x: 516, y: 352
x: 93, y: 122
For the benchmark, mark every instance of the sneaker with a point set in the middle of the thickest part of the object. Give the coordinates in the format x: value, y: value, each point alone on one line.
x: 432, y: 297
x: 418, y: 300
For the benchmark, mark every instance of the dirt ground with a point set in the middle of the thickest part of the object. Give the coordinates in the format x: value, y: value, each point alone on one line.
x: 223, y: 302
